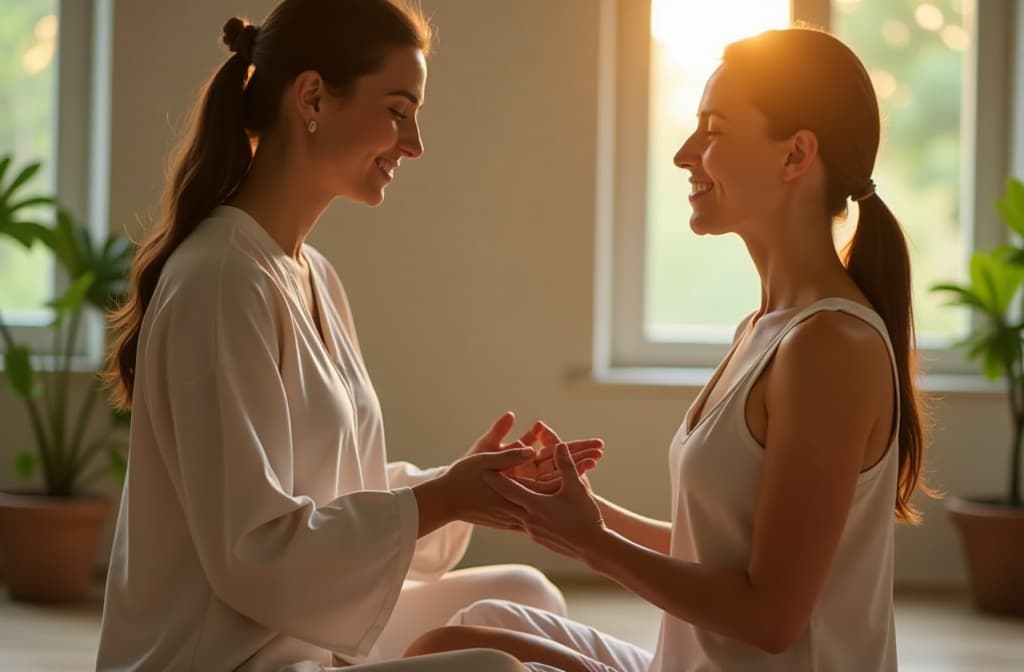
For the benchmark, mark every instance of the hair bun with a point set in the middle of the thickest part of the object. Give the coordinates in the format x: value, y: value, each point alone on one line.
x: 238, y: 36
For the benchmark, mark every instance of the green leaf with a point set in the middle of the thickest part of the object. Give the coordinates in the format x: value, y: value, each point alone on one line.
x: 120, y: 417
x: 4, y: 165
x: 65, y: 244
x: 73, y: 298
x: 25, y: 464
x: 1011, y: 206
x: 994, y: 280
x: 118, y: 464
x: 962, y: 296
x: 20, y: 374
x: 25, y: 233
x: 26, y: 174
x: 32, y: 202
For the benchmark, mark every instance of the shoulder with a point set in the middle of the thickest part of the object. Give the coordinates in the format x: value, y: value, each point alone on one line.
x: 212, y: 259
x: 835, y: 351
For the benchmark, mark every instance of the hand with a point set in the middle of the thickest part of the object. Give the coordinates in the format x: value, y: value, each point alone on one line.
x: 566, y: 521
x: 470, y: 498
x: 545, y: 478
x: 585, y: 452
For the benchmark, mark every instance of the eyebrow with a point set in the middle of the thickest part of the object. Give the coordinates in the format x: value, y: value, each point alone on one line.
x: 711, y: 113
x: 405, y: 94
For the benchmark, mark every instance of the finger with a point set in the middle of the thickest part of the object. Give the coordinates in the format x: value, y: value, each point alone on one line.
x: 530, y: 437
x: 504, y: 459
x: 567, y: 469
x: 499, y: 430
x: 547, y: 435
x: 515, y: 444
x: 585, y: 444
x: 509, y: 490
x: 546, y: 487
x: 546, y: 466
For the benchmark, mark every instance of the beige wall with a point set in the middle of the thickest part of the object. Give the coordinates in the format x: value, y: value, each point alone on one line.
x: 473, y: 284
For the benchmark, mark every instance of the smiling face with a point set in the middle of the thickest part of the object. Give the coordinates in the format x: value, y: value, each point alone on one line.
x: 737, y: 172
x: 362, y: 137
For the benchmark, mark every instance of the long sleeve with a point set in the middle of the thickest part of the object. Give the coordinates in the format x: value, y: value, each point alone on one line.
x: 240, y: 414
x: 439, y: 551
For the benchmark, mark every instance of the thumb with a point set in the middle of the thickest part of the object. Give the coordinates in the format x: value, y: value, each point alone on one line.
x: 567, y: 468
x: 503, y: 459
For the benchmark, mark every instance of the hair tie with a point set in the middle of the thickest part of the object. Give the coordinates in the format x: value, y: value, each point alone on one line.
x: 866, y: 192
x: 239, y: 36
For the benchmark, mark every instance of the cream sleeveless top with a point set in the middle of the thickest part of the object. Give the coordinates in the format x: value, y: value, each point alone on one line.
x: 715, y: 469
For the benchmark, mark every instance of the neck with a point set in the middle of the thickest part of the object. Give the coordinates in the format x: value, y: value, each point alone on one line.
x: 798, y: 265
x: 278, y: 194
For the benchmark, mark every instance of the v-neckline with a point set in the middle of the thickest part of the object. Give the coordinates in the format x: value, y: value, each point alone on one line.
x: 316, y: 313
x: 699, y: 406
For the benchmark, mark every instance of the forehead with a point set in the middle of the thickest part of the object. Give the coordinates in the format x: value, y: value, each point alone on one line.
x: 403, y: 69
x: 724, y: 96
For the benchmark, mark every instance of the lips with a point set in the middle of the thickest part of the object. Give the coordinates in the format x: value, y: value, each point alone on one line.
x: 387, y: 167
x: 698, y: 189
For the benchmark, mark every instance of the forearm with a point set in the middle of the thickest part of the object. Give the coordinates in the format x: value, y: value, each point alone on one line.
x: 435, y: 507
x: 648, y: 532
x: 720, y: 600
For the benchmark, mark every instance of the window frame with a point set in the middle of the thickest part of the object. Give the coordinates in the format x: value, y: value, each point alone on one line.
x: 82, y: 156
x: 621, y: 349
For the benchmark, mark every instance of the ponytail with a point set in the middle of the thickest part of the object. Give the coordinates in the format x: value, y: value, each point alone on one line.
x: 878, y: 260
x: 206, y: 169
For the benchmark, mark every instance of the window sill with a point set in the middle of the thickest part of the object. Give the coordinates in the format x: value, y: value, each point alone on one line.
x: 692, y: 379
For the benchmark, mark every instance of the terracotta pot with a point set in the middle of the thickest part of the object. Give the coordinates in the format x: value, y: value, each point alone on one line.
x: 49, y: 544
x: 992, y: 533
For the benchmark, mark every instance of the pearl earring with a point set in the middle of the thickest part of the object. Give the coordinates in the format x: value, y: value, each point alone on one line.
x: 311, y: 126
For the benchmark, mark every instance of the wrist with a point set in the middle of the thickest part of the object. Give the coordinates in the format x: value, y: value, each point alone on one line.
x: 435, y: 506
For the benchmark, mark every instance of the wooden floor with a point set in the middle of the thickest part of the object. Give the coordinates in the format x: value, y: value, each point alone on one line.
x: 936, y: 631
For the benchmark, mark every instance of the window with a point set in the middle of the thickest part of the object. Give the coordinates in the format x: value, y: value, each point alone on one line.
x: 54, y: 108
x: 675, y: 298
x: 28, y: 86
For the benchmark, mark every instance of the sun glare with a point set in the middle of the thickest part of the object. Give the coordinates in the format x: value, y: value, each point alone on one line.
x: 690, y: 37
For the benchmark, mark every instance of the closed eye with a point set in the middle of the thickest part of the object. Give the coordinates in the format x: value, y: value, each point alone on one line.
x: 398, y: 115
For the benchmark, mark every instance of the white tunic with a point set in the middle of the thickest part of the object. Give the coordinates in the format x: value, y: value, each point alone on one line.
x: 260, y: 522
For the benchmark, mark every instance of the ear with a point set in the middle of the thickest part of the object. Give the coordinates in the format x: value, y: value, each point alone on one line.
x: 801, y: 153
x: 307, y: 92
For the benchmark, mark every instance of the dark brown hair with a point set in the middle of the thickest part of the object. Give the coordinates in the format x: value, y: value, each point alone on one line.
x: 342, y: 40
x: 802, y: 78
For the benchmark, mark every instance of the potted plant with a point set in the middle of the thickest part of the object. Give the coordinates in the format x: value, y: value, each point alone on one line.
x: 49, y: 535
x: 992, y: 527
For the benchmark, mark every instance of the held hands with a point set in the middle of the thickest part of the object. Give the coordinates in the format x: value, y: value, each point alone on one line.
x: 567, y: 521
x: 469, y: 496
x: 585, y: 452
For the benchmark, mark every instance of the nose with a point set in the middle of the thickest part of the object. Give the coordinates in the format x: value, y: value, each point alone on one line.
x: 410, y: 142
x: 688, y: 156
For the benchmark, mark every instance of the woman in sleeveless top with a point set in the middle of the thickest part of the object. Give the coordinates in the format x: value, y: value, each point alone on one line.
x: 791, y: 467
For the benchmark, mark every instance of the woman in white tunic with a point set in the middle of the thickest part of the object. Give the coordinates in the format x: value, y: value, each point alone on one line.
x: 261, y: 525
x: 790, y: 465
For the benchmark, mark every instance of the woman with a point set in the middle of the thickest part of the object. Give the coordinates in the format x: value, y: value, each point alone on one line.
x: 261, y: 525
x: 789, y: 467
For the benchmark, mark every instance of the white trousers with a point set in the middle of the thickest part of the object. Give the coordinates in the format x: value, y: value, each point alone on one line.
x: 425, y: 605
x: 598, y: 651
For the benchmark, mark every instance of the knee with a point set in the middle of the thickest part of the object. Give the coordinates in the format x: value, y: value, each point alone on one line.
x: 490, y: 660
x: 446, y: 638
x: 491, y: 613
x: 528, y: 585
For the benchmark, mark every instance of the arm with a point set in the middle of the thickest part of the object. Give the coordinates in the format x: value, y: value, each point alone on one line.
x: 641, y: 530
x: 820, y: 414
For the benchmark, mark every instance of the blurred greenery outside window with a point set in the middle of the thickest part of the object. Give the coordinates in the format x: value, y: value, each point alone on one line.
x: 678, y: 297
x: 55, y: 65
x: 28, y: 129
